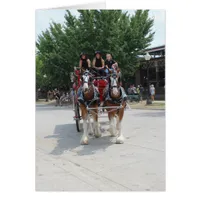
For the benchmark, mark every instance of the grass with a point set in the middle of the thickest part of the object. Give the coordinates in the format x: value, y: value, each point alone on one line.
x: 154, y: 106
x: 43, y: 101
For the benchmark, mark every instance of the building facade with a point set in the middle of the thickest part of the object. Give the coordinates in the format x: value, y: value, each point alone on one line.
x: 156, y: 71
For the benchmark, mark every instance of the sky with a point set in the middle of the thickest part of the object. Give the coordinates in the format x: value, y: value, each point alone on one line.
x: 44, y: 17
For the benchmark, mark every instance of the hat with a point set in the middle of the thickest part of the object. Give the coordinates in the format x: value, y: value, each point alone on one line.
x: 83, y: 53
x: 97, y: 52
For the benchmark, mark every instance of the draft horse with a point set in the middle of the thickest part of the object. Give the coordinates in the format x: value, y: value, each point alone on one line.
x: 89, y: 100
x: 115, y: 97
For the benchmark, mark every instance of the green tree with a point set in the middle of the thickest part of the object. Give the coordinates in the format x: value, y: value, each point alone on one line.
x: 110, y: 31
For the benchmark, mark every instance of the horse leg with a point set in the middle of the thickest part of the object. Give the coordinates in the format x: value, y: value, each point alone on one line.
x: 90, y: 132
x: 112, y: 128
x: 120, y: 137
x: 84, y: 139
x: 97, y: 132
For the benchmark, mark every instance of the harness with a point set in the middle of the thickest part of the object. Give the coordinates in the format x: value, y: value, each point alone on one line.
x: 111, y: 100
x: 91, y: 102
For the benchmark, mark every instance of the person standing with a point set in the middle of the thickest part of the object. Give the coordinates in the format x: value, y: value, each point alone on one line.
x: 57, y: 96
x: 141, y: 93
x: 152, y: 92
x: 134, y: 89
x: 129, y: 91
x: 62, y: 98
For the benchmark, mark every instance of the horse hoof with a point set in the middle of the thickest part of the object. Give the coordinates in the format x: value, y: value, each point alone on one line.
x: 84, y: 142
x: 90, y: 134
x: 120, y: 140
x: 97, y: 135
x: 112, y: 135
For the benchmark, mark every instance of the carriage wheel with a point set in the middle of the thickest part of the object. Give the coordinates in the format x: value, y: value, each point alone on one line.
x: 77, y: 114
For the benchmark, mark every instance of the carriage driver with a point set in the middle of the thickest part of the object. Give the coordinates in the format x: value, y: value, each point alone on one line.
x: 98, y: 63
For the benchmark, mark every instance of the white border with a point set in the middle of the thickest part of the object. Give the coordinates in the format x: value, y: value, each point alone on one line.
x: 17, y: 76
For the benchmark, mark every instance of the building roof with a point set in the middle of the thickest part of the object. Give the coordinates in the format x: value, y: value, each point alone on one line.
x: 155, y: 49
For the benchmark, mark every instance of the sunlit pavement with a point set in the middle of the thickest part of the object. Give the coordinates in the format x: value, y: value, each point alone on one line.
x: 62, y: 164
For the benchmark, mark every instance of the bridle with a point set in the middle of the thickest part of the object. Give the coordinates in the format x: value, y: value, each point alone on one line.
x: 112, y: 79
x: 86, y: 77
x: 86, y: 81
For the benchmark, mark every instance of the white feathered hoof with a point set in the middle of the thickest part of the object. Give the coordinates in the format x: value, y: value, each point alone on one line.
x: 84, y: 141
x: 120, y: 140
x: 112, y: 133
x: 97, y: 134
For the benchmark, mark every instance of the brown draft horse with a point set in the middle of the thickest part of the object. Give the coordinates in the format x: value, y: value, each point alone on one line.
x: 88, y: 91
x: 115, y: 116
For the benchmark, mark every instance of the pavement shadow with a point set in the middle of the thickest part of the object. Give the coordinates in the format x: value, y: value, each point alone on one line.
x: 68, y: 139
x: 150, y: 114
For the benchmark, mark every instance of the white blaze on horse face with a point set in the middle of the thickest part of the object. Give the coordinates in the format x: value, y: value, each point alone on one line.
x: 85, y: 82
x: 114, y: 85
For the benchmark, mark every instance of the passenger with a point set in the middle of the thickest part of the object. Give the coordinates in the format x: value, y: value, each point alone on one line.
x: 84, y: 62
x: 110, y: 64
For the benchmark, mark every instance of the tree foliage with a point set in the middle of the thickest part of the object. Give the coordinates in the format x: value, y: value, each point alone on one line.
x: 110, y: 31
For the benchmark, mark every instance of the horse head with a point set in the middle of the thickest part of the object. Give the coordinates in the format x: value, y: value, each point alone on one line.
x: 114, y: 84
x: 86, y: 79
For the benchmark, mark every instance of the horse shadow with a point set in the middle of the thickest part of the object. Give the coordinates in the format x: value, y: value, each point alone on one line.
x: 68, y: 139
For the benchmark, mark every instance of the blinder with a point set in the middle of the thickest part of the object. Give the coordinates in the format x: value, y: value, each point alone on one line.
x: 112, y: 79
x: 86, y: 78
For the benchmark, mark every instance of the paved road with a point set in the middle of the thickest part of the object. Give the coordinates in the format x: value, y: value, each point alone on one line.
x: 62, y: 164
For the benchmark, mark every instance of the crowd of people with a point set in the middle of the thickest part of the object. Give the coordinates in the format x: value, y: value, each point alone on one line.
x: 61, y: 96
x: 132, y: 90
x: 139, y: 90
